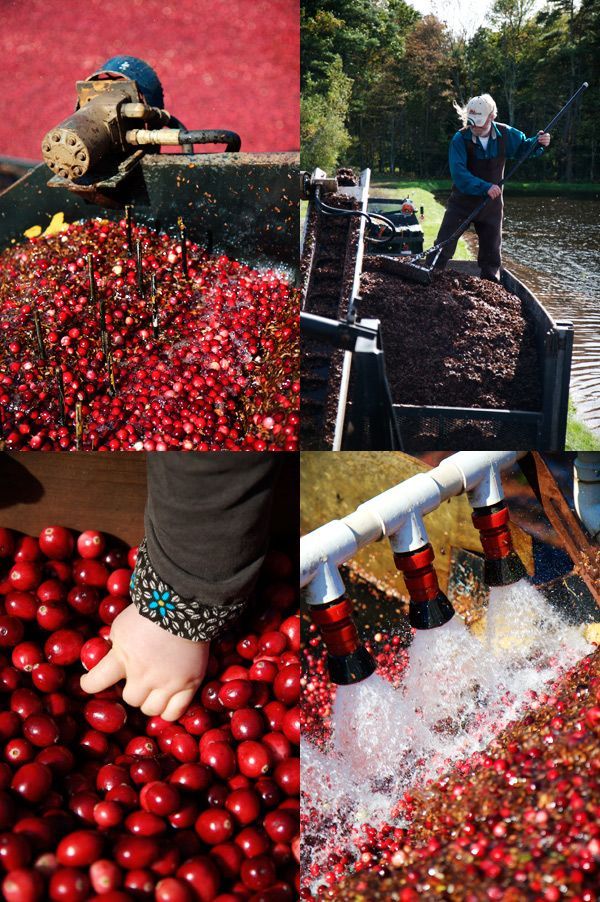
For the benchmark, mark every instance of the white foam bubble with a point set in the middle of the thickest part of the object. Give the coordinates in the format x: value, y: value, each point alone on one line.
x: 457, y: 694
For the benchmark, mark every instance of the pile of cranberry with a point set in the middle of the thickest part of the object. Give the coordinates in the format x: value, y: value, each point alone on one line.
x: 212, y: 365
x: 98, y: 801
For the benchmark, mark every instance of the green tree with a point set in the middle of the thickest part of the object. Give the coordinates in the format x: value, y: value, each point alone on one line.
x: 324, y: 138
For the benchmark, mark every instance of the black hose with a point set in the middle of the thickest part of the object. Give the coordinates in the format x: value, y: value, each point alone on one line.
x: 371, y: 218
x: 232, y: 141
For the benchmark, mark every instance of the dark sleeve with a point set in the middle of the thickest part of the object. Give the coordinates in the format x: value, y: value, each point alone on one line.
x: 207, y: 527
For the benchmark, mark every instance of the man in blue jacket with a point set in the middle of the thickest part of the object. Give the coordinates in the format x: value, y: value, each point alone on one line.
x: 477, y: 156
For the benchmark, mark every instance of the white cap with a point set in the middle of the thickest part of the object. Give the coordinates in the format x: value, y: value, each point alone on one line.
x: 479, y: 108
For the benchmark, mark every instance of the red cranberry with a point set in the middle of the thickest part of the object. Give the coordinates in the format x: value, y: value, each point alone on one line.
x: 291, y: 725
x: 20, y: 604
x: 11, y: 631
x: 144, y: 823
x: 172, y: 889
x: 287, y: 776
x: 40, y: 730
x: 229, y: 859
x: 291, y: 629
x: 286, y: 685
x: 25, y: 575
x: 90, y: 573
x: 25, y: 702
x: 84, y: 600
x: 192, y: 777
x: 26, y: 655
x: 79, y: 849
x: 15, y: 851
x: 90, y: 544
x: 253, y: 841
x: 281, y: 825
x: 214, y: 826
x: 258, y: 873
x: 58, y: 758
x: 93, y: 651
x: 145, y: 771
x: 56, y: 542
x: 51, y: 617
x: 63, y: 647
x: 220, y: 757
x: 23, y: 885
x: 118, y: 582
x: 135, y: 851
x: 203, y: 876
x: 235, y: 694
x: 105, y: 876
x: 247, y: 723
x: 184, y: 747
x: 253, y: 759
x: 107, y: 814
x: 105, y: 716
x: 68, y: 885
x: 244, y: 804
x: 160, y: 798
x: 111, y: 607
x: 47, y: 677
x: 196, y: 720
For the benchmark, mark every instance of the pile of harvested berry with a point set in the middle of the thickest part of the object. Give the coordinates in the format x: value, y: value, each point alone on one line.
x: 99, y: 801
x: 107, y: 345
x: 521, y: 820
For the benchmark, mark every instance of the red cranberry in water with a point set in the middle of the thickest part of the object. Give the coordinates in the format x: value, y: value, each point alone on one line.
x: 105, y: 716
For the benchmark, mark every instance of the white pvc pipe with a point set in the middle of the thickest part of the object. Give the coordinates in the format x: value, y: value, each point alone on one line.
x: 398, y: 514
x: 586, y: 490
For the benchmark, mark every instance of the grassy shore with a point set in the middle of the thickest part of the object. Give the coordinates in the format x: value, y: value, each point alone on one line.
x: 579, y: 436
x: 539, y: 189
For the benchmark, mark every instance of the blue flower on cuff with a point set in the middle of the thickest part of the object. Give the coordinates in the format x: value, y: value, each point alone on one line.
x: 162, y: 603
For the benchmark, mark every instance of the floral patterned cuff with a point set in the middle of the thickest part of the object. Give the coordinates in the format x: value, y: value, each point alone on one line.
x: 185, y: 617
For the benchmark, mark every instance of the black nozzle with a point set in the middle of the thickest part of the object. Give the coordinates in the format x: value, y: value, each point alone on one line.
x: 351, y: 668
x: 504, y: 571
x: 427, y: 615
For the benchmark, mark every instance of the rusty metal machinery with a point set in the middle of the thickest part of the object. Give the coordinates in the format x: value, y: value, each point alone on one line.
x: 119, y: 117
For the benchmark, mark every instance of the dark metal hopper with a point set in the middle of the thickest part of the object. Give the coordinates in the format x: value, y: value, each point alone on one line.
x: 244, y: 205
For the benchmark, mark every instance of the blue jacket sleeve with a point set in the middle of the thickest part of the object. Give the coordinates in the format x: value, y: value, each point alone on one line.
x: 464, y: 180
x: 517, y: 144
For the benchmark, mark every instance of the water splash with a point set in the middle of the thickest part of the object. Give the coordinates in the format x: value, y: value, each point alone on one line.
x: 458, y: 693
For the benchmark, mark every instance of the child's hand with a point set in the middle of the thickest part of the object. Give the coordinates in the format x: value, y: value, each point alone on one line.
x: 162, y: 671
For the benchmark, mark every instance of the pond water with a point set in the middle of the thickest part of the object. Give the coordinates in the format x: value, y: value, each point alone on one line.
x: 552, y: 244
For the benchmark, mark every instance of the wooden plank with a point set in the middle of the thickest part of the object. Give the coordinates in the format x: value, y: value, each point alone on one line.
x: 85, y: 490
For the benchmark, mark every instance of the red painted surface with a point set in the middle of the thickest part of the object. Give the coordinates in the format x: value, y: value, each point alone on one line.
x: 230, y: 64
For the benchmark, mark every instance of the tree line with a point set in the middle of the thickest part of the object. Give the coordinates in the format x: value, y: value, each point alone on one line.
x: 379, y: 80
